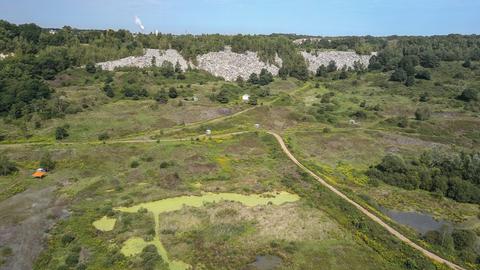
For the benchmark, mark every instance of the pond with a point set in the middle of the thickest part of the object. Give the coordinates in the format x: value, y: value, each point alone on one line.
x: 266, y: 262
x: 420, y: 222
x: 135, y: 245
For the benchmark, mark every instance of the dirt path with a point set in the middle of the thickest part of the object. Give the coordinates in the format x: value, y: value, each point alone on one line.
x: 372, y: 216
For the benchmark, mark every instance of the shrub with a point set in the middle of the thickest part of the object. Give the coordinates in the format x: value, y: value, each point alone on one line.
x: 463, y: 239
x: 46, y: 162
x: 6, y: 166
x: 61, y: 133
x: 67, y: 239
x: 72, y: 259
x: 172, y: 92
x: 90, y: 68
x: 423, y: 75
x: 410, y: 81
x: 134, y: 164
x: 422, y: 113
x: 468, y: 95
x: 161, y: 97
x: 399, y: 75
x: 103, y: 136
x: 359, y: 115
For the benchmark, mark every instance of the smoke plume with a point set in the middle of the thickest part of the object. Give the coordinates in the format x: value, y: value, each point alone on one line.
x: 139, y: 23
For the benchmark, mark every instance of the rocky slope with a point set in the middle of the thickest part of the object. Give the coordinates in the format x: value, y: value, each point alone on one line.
x: 145, y: 60
x: 314, y: 60
x: 230, y: 65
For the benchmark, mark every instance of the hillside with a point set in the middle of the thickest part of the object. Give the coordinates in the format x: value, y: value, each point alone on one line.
x: 238, y: 152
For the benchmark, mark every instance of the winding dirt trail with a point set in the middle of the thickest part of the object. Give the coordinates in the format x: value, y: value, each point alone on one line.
x: 372, y: 216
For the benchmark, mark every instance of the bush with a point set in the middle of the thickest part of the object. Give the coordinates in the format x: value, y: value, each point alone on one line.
x: 423, y: 75
x: 399, y: 75
x: 90, y: 68
x: 463, y: 239
x: 410, y: 81
x: 422, y: 113
x: 6, y: 166
x: 468, y: 95
x: 161, y: 97
x: 134, y: 164
x: 46, y: 162
x: 103, y: 136
x: 172, y: 92
x: 72, y: 259
x: 67, y: 239
x: 61, y: 133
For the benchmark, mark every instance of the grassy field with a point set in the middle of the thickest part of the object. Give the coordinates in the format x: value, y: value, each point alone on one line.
x: 338, y: 128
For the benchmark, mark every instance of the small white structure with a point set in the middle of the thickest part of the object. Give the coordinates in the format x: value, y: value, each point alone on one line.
x: 246, y: 97
x: 208, y: 132
x: 195, y: 98
x: 257, y: 125
x: 52, y: 32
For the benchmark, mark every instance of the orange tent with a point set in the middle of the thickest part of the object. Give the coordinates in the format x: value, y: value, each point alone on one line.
x: 39, y: 174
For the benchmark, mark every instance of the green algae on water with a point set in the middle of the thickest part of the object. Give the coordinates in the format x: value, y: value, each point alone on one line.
x: 135, y: 245
x: 105, y: 224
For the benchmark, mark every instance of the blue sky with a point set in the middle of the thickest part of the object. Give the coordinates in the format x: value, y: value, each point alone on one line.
x: 321, y: 17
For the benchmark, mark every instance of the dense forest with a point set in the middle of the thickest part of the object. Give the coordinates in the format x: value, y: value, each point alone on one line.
x: 452, y: 174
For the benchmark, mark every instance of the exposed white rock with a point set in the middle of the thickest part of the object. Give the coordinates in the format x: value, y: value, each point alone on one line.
x: 314, y: 60
x: 145, y: 60
x: 230, y: 65
x: 3, y: 56
x: 303, y: 40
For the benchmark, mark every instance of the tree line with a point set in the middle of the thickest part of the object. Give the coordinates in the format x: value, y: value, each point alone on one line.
x: 453, y: 174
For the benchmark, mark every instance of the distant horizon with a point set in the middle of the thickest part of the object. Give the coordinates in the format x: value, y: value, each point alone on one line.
x: 326, y: 18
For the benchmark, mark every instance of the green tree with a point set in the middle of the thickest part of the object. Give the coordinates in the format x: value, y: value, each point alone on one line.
x: 468, y: 95
x: 332, y: 66
x: 463, y: 239
x: 265, y: 77
x: 178, y: 67
x: 321, y: 71
x: 423, y: 75
x: 428, y: 59
x: 467, y: 64
x: 240, y: 81
x: 253, y: 79
x: 90, y: 68
x: 167, y: 69
x: 222, y: 97
x: 399, y: 75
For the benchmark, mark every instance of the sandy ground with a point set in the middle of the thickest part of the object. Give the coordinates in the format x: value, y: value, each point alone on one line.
x: 24, y: 220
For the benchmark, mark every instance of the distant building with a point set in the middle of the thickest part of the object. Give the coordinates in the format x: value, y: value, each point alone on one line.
x: 52, y: 32
x: 246, y: 97
x: 208, y: 132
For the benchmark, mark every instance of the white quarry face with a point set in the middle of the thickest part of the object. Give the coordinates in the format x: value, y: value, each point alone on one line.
x: 230, y: 65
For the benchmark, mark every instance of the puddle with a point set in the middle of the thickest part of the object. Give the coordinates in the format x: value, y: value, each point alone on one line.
x: 135, y: 245
x: 420, y: 222
x: 105, y: 224
x: 266, y: 262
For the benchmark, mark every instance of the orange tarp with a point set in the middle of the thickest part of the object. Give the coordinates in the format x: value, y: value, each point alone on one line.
x: 39, y: 174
